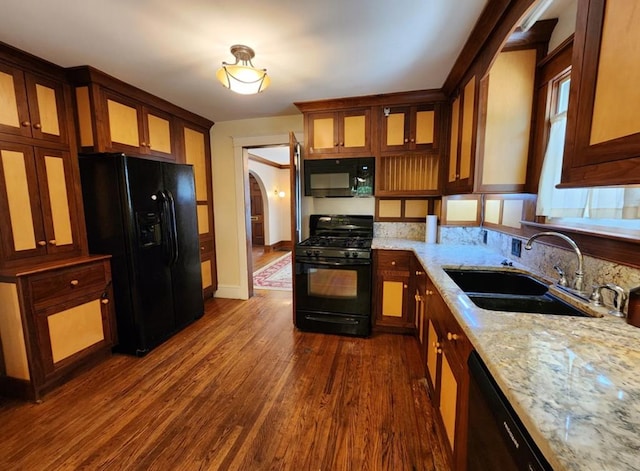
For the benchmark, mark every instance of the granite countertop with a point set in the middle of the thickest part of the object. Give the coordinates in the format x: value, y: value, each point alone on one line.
x: 574, y: 382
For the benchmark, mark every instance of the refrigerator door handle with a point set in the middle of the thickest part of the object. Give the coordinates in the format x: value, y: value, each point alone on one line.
x: 167, y: 237
x: 174, y: 228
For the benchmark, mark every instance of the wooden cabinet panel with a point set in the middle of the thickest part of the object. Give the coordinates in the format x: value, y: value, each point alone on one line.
x: 462, y: 140
x: 602, y: 146
x: 38, y: 213
x: 196, y: 152
x: 506, y: 112
x: 338, y: 132
x: 65, y: 326
x: 392, y: 291
x: 409, y: 128
x: 123, y: 124
x: 32, y: 106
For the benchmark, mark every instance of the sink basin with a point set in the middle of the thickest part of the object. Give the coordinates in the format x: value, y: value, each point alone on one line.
x: 544, y: 304
x: 491, y: 281
x: 510, y: 291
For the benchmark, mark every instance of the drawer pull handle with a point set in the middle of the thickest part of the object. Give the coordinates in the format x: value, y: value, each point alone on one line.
x: 104, y: 301
x: 74, y: 283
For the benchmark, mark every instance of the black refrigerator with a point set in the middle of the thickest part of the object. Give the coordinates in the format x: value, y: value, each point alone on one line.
x: 143, y: 213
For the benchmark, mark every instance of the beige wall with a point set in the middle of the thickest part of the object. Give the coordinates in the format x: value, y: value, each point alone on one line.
x: 229, y: 165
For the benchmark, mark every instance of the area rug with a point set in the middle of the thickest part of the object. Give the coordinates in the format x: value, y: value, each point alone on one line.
x: 276, y: 275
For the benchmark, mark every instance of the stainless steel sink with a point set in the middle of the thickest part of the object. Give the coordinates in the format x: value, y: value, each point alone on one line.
x: 511, y: 291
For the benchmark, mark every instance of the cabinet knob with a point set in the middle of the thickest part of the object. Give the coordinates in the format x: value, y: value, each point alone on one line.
x: 393, y: 262
x: 74, y: 282
x: 202, y: 248
x: 52, y: 242
x: 419, y: 273
x: 406, y: 140
x: 413, y: 140
x: 342, y: 144
x: 26, y: 124
x: 439, y: 350
x: 37, y: 126
x: 149, y: 145
x: 451, y: 336
x: 143, y: 144
x: 104, y: 301
x: 42, y: 243
x: 406, y: 286
x: 428, y: 292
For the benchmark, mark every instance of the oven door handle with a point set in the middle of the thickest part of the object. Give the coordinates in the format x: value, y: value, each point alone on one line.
x: 340, y: 262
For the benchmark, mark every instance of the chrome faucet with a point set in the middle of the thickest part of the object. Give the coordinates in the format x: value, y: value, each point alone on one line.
x: 578, y: 282
x: 619, y: 298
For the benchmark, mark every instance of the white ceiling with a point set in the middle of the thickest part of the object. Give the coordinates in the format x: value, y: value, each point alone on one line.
x: 312, y: 49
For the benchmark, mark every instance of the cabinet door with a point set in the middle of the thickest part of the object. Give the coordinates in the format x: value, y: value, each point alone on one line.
x: 58, y: 202
x: 355, y: 131
x: 23, y: 232
x: 14, y: 109
x: 323, y: 133
x: 424, y: 127
x: 603, y: 125
x: 462, y: 140
x: 433, y: 354
x: 506, y: 110
x: 124, y: 124
x: 394, y: 308
x: 396, y: 128
x: 38, y: 210
x: 31, y: 106
x: 158, y: 130
x: 46, y: 109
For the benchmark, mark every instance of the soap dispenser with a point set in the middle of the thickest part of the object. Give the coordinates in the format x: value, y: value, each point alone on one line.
x: 633, y: 312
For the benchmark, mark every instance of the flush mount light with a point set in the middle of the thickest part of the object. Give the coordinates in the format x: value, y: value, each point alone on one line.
x: 242, y: 77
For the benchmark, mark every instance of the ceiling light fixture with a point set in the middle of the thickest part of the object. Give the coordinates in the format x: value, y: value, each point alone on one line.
x: 242, y: 77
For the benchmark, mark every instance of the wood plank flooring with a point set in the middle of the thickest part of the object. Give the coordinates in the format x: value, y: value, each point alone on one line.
x: 240, y: 389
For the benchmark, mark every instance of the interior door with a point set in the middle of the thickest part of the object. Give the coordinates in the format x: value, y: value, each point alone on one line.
x: 257, y: 212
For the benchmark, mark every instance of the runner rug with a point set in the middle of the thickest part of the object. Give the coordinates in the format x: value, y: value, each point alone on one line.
x: 276, y: 275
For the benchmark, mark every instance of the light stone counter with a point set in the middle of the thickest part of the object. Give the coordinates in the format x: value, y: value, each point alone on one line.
x: 574, y: 382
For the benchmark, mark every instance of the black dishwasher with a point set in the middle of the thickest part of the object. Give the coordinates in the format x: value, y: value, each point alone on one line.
x: 496, y: 438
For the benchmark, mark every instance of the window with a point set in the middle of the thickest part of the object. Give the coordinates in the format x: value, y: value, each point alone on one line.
x: 596, y: 206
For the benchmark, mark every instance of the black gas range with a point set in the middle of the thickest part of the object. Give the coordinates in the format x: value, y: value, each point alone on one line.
x: 333, y: 275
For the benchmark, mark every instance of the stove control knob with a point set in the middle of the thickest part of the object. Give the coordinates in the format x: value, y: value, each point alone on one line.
x: 346, y: 254
x: 354, y: 254
x: 316, y: 253
x: 308, y: 252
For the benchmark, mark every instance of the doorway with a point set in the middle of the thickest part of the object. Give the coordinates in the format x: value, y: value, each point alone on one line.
x: 257, y: 212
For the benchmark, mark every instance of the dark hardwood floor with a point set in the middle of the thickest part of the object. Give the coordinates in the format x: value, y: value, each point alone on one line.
x: 240, y: 389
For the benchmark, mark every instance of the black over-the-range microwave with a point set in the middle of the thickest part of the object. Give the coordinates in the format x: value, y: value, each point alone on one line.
x: 339, y: 177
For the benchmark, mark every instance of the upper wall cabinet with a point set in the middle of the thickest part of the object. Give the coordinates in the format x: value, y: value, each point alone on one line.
x: 462, y: 139
x: 31, y: 106
x: 506, y: 106
x: 340, y: 132
x: 408, y: 128
x: 116, y: 117
x: 603, y: 122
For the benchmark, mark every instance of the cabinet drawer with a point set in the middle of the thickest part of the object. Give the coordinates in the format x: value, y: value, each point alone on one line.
x: 393, y: 260
x: 206, y: 247
x: 67, y: 282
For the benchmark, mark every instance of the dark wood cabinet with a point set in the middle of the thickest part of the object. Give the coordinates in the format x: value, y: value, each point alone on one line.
x: 411, y: 127
x: 59, y: 319
x: 393, y: 308
x: 602, y: 146
x: 447, y: 350
x: 346, y: 132
x: 33, y: 106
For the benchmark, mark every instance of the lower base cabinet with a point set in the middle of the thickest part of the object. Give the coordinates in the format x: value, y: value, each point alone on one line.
x: 392, y: 291
x: 447, y: 350
x: 56, y: 321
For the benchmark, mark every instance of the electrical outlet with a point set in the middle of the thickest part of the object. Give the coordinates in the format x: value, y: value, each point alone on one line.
x: 516, y: 247
x: 484, y: 236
